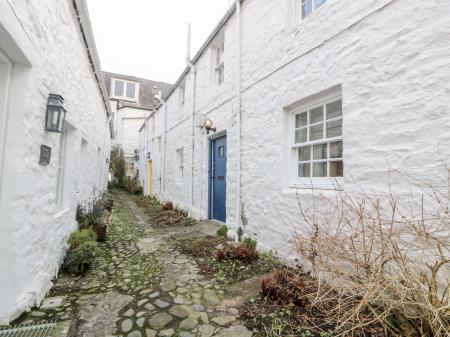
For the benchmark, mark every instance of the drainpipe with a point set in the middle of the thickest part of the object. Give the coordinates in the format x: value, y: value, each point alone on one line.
x: 238, y: 117
x: 194, y: 83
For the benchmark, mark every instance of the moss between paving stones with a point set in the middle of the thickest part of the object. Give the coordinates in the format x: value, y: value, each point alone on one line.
x: 204, y: 251
x: 119, y: 267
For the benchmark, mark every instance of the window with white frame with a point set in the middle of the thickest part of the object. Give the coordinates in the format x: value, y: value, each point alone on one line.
x: 309, y: 6
x: 126, y: 90
x: 180, y: 161
x: 219, y: 69
x: 318, y: 144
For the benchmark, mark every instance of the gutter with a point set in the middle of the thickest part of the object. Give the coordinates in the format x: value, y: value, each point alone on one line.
x: 84, y: 22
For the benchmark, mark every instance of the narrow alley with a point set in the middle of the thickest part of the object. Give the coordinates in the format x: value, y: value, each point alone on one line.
x: 141, y: 285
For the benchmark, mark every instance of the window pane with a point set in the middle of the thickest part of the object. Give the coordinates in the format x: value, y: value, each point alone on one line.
x: 304, y: 153
x: 301, y: 135
x: 319, y: 169
x: 119, y: 86
x: 316, y: 132
x: 301, y: 119
x: 334, y: 110
x: 304, y: 170
x: 316, y: 115
x: 336, y: 169
x: 334, y: 128
x: 319, y: 3
x: 131, y: 90
x: 320, y: 151
x: 306, y: 8
x: 336, y: 150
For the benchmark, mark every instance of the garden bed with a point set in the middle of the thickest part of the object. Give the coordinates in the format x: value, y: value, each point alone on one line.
x: 205, y: 251
x: 161, y: 216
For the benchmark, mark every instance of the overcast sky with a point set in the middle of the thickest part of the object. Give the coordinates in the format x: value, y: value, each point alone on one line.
x: 147, y: 38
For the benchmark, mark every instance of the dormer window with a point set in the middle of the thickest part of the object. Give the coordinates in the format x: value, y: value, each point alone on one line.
x: 125, y: 90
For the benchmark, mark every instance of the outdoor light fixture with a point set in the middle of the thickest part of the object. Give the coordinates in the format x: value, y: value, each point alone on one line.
x: 209, y: 125
x: 56, y: 114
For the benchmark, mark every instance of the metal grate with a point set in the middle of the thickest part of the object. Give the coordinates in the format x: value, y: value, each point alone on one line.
x: 32, y: 329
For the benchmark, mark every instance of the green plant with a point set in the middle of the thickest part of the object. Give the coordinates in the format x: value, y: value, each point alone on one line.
x: 94, y: 214
x: 83, y: 250
x: 80, y: 237
x: 117, y: 165
x: 222, y: 231
x: 250, y: 242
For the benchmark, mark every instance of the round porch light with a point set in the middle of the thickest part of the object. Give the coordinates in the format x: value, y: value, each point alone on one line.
x: 56, y: 114
x: 208, y: 124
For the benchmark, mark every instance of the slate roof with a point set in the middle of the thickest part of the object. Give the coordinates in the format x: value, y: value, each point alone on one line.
x: 146, y: 98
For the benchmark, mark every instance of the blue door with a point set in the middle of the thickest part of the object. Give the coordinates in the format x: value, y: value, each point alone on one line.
x: 218, y: 179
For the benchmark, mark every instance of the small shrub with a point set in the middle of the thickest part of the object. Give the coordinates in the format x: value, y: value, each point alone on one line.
x: 250, y: 242
x: 242, y: 252
x: 285, y: 287
x: 82, y: 252
x: 133, y: 186
x: 168, y: 206
x: 80, y: 237
x: 94, y: 214
x: 222, y: 231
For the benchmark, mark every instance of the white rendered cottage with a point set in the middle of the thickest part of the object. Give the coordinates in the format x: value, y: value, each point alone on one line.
x: 316, y: 94
x: 132, y: 98
x: 46, y: 47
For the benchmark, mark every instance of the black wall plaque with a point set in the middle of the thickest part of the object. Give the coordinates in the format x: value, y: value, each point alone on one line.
x: 46, y: 153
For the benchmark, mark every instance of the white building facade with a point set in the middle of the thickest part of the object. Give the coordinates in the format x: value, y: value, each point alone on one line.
x: 132, y: 99
x: 319, y: 94
x: 46, y: 47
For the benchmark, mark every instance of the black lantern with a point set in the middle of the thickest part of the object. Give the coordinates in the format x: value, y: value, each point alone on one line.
x: 56, y: 114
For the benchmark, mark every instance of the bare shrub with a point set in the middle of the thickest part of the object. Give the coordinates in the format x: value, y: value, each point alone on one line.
x: 286, y: 287
x: 243, y: 252
x: 377, y: 258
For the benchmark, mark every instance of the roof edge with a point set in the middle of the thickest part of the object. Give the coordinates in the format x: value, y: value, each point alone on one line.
x: 228, y: 15
x: 84, y: 21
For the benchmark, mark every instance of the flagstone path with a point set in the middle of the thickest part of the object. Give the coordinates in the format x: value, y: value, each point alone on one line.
x: 141, y: 286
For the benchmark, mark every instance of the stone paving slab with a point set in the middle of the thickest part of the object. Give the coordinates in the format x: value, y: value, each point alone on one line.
x: 142, y: 286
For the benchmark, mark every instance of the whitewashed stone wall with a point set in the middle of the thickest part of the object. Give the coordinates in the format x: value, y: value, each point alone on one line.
x: 389, y: 59
x: 128, y: 122
x: 43, y: 39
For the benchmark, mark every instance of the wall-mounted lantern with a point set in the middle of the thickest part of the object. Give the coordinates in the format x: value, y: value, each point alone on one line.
x: 208, y: 125
x: 56, y: 114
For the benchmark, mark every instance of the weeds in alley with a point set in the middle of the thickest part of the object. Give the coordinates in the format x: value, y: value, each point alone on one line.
x: 226, y: 262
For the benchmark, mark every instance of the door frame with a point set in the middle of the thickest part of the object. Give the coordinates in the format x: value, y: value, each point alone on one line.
x: 211, y: 140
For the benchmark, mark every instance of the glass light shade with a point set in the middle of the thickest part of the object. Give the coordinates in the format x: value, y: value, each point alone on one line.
x: 55, y: 115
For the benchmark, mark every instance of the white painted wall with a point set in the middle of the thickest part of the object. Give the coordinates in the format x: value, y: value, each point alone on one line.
x: 392, y: 62
x: 44, y: 42
x: 128, y: 122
